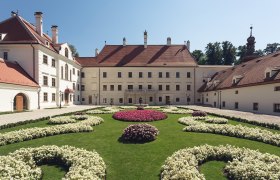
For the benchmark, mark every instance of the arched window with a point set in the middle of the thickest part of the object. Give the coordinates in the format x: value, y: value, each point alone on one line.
x: 66, y: 52
x: 66, y: 71
x: 62, y: 72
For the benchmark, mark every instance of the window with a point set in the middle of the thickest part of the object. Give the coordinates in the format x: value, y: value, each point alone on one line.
x: 130, y: 87
x: 236, y: 92
x: 119, y: 87
x: 206, y: 99
x: 53, y: 82
x: 45, y: 97
x: 267, y: 75
x: 177, y: 99
x: 224, y: 104
x: 277, y: 108
x: 74, y: 71
x: 78, y: 72
x: 104, y: 87
x: 140, y: 74
x: 53, y: 97
x: 82, y: 87
x: 5, y: 55
x: 104, y: 74
x: 149, y: 87
x: 177, y: 74
x: 215, y: 104
x: 159, y: 99
x: 277, y: 88
x: 130, y: 74
x: 167, y: 74
x: 119, y: 74
x: 45, y: 59
x: 188, y: 74
x: 160, y: 74
x: 198, y: 100
x: 74, y: 86
x: 151, y: 99
x: 236, y: 105
x: 120, y: 100
x: 188, y: 87
x: 167, y: 87
x: 70, y: 75
x: 66, y: 52
x: 83, y: 99
x: 140, y: 87
x: 78, y: 87
x: 214, y: 94
x: 82, y: 75
x: 104, y: 100
x: 112, y: 87
x: 45, y: 82
x: 78, y: 98
x: 61, y: 72
x: 177, y: 87
x: 53, y: 62
x: 149, y: 74
x: 255, y: 106
x: 130, y: 100
x: 160, y: 87
x: 66, y: 71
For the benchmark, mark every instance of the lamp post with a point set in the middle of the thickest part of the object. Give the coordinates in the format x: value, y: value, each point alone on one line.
x: 60, y: 95
x: 39, y: 89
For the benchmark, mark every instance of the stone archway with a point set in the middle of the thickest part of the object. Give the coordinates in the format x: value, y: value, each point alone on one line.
x: 20, y: 102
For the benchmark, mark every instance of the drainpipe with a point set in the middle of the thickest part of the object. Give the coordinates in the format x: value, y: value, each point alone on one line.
x: 194, y: 84
x: 220, y: 99
x: 99, y: 85
x: 33, y: 51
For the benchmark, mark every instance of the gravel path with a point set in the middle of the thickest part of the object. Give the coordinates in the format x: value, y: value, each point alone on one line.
x: 36, y: 114
x: 239, y: 114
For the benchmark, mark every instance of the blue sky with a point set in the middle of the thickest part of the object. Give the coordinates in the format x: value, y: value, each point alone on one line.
x: 88, y: 23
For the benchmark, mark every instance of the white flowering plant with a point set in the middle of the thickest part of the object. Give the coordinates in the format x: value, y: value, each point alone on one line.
x: 242, y: 163
x: 61, y: 120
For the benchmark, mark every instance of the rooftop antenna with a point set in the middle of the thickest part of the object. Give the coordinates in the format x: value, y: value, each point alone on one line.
x: 251, y: 30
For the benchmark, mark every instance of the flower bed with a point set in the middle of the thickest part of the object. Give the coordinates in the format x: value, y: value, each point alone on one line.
x: 34, y: 133
x: 80, y: 117
x: 139, y: 133
x: 216, y: 120
x: 22, y: 164
x: 238, y: 131
x: 199, y: 113
x: 191, y: 120
x: 61, y: 120
x: 139, y: 115
x: 177, y: 111
x: 245, y: 163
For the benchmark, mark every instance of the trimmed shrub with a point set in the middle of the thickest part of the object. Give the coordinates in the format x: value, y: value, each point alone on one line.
x: 199, y: 113
x: 139, y: 133
x: 139, y: 115
x: 140, y: 108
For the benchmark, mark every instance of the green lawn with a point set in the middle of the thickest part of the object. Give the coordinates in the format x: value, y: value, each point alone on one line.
x: 136, y: 161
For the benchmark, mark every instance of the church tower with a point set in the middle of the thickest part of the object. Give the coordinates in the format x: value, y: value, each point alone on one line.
x: 250, y: 49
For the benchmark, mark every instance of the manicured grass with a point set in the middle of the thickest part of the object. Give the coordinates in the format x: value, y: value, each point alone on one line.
x: 136, y: 161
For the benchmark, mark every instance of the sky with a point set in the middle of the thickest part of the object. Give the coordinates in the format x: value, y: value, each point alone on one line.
x: 87, y: 24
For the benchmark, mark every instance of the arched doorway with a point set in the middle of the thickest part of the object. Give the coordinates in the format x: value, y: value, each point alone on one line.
x: 20, y: 102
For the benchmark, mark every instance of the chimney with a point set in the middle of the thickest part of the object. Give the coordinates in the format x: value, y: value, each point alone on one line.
x: 96, y: 52
x: 39, y: 22
x: 124, y: 41
x: 145, y: 39
x: 54, y: 34
x: 169, y: 41
x: 188, y: 45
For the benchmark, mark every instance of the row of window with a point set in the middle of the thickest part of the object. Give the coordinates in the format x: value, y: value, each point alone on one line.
x: 53, y: 97
x: 149, y: 75
x: 46, y: 81
x: 140, y: 87
x: 46, y: 99
x: 130, y: 100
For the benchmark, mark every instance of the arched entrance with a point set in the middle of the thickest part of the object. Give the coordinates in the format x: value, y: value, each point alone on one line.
x: 20, y: 102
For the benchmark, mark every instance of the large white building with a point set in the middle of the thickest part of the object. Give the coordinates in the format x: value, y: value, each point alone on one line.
x: 36, y: 71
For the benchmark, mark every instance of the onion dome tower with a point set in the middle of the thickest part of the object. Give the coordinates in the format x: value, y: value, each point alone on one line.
x: 250, y: 50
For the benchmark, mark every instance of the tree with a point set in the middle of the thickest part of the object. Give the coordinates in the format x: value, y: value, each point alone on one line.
x: 229, y: 52
x: 213, y: 52
x: 271, y: 48
x: 259, y: 52
x: 241, y: 52
x: 74, y: 50
x: 199, y: 56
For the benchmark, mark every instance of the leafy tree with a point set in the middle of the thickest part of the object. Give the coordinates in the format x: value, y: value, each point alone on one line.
x: 271, y: 48
x: 199, y: 56
x: 214, y: 53
x: 74, y: 50
x: 229, y: 52
x: 241, y: 52
x: 259, y: 52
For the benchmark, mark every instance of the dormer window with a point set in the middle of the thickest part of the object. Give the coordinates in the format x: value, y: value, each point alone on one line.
x: 271, y: 71
x: 216, y: 82
x: 47, y: 43
x: 66, y: 52
x: 236, y: 79
x: 2, y: 36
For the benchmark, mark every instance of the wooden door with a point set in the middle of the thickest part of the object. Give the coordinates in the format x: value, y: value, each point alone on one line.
x: 167, y: 100
x: 19, y: 103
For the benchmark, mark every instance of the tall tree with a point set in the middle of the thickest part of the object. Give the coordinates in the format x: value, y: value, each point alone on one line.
x: 213, y: 52
x: 271, y: 48
x: 229, y: 52
x: 74, y: 50
x: 259, y: 52
x: 199, y: 56
x: 241, y: 52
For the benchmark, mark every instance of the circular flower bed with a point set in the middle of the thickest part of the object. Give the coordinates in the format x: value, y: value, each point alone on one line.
x: 139, y: 133
x: 140, y: 115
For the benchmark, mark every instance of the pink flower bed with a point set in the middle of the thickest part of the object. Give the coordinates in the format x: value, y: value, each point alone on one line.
x: 139, y: 115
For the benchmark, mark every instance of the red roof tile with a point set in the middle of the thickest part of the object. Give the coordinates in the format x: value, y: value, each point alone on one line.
x: 13, y: 73
x: 252, y: 72
x: 137, y: 55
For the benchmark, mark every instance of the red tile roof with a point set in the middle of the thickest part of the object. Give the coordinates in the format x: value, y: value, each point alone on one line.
x: 20, y: 31
x: 252, y: 73
x: 137, y: 55
x: 13, y: 73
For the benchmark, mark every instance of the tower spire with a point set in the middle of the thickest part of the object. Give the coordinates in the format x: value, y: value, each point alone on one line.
x: 251, y: 33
